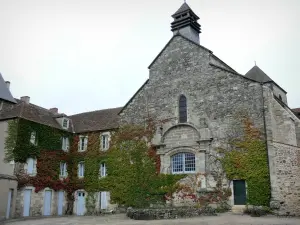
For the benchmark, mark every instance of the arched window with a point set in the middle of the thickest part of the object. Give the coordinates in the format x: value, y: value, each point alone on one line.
x: 183, y: 163
x: 280, y: 98
x: 182, y: 109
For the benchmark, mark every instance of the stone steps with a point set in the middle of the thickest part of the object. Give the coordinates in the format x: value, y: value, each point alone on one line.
x: 238, y: 209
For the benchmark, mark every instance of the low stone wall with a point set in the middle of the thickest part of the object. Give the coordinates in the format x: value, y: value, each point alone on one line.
x: 169, y: 213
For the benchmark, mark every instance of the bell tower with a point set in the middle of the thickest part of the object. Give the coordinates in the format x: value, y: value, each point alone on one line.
x: 185, y: 22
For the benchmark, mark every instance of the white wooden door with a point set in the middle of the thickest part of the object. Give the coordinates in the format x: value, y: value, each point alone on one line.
x: 80, y: 203
x: 60, y: 203
x: 103, y: 200
x: 9, y: 201
x: 47, y: 203
x: 27, y: 200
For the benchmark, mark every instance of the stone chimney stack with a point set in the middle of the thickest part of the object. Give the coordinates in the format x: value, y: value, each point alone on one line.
x: 54, y: 110
x: 7, y: 84
x: 25, y: 99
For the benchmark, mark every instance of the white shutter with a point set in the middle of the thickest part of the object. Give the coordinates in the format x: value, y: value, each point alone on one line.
x: 79, y: 144
x: 85, y: 142
x: 30, y: 166
x: 67, y: 144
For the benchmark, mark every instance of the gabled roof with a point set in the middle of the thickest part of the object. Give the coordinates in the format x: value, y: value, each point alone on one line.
x: 260, y: 76
x: 105, y: 119
x: 4, y: 92
x: 176, y: 35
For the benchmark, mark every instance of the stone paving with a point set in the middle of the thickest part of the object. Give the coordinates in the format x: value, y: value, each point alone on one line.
x: 120, y: 219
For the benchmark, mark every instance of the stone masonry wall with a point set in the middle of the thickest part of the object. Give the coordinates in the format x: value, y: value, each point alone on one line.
x: 284, y: 155
x: 287, y: 170
x: 37, y: 202
x: 215, y: 99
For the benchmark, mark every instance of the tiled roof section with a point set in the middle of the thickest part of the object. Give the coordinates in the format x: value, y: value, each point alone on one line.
x: 30, y: 112
x: 96, y: 120
x: 296, y: 110
x: 4, y: 92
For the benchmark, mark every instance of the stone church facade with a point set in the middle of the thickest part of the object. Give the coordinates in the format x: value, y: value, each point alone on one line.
x: 199, y: 97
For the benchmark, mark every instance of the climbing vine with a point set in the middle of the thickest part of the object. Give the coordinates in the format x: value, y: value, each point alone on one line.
x: 133, y: 166
x: 247, y: 159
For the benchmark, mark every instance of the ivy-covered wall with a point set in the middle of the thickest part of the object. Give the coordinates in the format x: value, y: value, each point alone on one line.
x: 248, y: 160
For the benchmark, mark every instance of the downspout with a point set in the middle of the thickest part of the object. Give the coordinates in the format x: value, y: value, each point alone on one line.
x: 265, y: 134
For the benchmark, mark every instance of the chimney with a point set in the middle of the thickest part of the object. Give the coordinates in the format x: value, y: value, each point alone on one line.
x: 54, y: 110
x: 25, y: 99
x: 7, y: 84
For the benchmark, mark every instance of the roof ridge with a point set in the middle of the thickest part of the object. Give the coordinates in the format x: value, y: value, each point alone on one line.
x: 98, y: 110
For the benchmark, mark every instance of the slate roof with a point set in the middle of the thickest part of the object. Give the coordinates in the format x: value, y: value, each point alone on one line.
x: 4, y: 92
x: 184, y: 7
x: 257, y: 74
x: 30, y: 112
x: 105, y: 119
x: 84, y: 122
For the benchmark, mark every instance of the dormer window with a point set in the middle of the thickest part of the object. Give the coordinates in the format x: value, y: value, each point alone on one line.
x: 65, y: 123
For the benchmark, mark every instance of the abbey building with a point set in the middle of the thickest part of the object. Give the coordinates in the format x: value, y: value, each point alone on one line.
x: 198, y: 96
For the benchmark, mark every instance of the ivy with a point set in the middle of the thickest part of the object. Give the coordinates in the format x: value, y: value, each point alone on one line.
x: 248, y: 160
x: 132, y: 164
x: 132, y: 170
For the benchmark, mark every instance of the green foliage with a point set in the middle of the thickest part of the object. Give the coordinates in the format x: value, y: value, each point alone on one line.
x: 11, y: 140
x: 90, y: 203
x: 132, y: 176
x: 249, y: 161
x: 18, y: 145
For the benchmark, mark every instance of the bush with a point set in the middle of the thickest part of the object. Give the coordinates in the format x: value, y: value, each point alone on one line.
x: 257, y: 211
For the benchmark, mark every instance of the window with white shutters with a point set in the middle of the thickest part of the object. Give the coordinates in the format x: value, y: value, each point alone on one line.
x: 31, y: 166
x: 83, y: 142
x: 63, y: 169
x: 104, y: 142
x: 81, y: 169
x: 65, y: 144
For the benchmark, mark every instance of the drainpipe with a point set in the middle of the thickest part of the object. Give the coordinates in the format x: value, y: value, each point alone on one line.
x: 265, y: 134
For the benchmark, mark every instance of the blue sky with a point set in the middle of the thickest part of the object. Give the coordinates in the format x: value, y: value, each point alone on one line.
x: 83, y: 55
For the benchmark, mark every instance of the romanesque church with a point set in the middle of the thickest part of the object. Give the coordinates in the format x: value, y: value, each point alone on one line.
x: 199, y: 98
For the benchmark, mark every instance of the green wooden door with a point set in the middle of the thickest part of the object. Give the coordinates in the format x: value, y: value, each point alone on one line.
x: 239, y: 190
